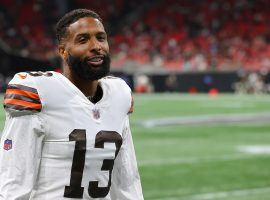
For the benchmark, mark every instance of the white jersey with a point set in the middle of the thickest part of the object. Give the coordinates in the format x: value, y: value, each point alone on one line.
x: 56, y: 144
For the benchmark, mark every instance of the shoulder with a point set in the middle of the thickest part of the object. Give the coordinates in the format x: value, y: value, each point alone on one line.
x: 120, y: 90
x: 30, y: 78
x: 22, y: 93
x: 116, y: 83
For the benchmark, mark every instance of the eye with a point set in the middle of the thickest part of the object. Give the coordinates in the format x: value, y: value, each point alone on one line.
x: 101, y: 38
x: 82, y: 40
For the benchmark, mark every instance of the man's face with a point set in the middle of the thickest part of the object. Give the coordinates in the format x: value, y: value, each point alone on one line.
x: 86, y: 49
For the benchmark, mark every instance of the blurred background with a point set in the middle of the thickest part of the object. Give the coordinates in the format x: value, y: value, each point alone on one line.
x: 174, y: 45
x: 199, y: 70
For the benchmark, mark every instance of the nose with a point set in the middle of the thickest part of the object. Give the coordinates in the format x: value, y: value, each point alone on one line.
x: 94, y: 45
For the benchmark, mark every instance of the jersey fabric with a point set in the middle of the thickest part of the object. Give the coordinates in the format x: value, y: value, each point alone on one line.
x: 56, y: 144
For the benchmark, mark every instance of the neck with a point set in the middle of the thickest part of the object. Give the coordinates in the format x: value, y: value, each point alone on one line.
x: 88, y: 88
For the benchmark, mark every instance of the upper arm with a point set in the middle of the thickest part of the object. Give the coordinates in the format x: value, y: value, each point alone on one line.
x: 21, y: 141
x: 22, y: 97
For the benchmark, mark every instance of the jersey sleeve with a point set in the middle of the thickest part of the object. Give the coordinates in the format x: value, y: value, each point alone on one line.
x: 126, y: 178
x: 20, y: 153
x: 21, y: 141
x: 22, y: 96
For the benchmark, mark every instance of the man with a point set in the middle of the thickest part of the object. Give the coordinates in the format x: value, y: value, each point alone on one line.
x: 67, y: 136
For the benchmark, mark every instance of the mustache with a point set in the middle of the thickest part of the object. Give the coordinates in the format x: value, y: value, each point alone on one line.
x: 95, y: 56
x: 73, y: 60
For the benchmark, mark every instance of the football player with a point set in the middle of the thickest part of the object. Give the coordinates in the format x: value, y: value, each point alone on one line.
x: 67, y: 136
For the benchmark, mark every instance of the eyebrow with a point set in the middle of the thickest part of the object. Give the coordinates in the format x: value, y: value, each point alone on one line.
x: 87, y: 34
x: 81, y: 35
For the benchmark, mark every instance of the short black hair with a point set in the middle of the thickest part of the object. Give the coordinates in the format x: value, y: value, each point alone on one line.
x: 71, y: 17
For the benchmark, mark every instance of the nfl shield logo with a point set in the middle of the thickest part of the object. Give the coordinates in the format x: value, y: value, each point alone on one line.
x: 7, y: 144
x: 96, y: 113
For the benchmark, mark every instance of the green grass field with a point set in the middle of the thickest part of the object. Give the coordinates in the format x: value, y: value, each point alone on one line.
x: 228, y: 161
x: 202, y: 161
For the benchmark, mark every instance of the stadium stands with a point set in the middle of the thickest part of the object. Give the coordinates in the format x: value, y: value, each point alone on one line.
x: 187, y: 35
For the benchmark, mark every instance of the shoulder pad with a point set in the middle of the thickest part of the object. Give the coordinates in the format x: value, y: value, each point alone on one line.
x: 120, y: 83
x: 22, y: 95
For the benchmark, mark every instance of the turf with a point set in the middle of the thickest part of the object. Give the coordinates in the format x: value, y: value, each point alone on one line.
x: 200, y: 161
x: 178, y: 162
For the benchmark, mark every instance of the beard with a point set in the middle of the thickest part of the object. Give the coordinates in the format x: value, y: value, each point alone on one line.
x: 86, y: 71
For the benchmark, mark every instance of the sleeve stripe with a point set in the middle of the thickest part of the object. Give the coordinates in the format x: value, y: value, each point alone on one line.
x: 23, y: 93
x: 22, y: 87
x: 20, y: 97
x: 20, y: 108
x: 36, y: 106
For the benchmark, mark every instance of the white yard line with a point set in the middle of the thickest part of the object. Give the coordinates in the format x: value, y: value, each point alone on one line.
x: 255, y: 149
x: 194, y: 160
x: 209, y: 119
x: 222, y: 194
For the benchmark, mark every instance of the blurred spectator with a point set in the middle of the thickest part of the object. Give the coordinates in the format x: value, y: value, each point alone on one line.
x: 143, y: 84
x: 251, y: 83
x: 171, y: 83
x: 187, y: 35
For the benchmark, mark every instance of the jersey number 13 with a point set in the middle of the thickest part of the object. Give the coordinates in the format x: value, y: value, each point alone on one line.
x: 74, y: 190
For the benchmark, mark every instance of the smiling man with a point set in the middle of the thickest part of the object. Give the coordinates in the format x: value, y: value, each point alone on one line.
x: 67, y: 136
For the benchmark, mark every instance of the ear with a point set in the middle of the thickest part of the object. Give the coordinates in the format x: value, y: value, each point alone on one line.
x: 62, y: 51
